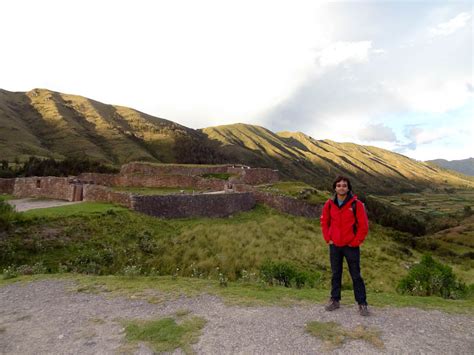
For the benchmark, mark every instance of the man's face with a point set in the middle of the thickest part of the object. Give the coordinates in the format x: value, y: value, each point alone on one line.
x: 342, y: 187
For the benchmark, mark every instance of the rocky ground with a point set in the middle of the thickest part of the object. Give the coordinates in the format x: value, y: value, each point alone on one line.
x: 50, y: 317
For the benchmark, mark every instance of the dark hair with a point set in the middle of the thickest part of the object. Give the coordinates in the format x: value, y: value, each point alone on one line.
x: 342, y: 178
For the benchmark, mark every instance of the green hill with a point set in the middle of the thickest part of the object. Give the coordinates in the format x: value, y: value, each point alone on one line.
x: 464, y: 166
x: 51, y: 124
x: 44, y: 123
x: 316, y: 162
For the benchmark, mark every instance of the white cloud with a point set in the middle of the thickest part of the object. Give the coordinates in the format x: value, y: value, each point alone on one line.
x: 340, y: 52
x: 377, y: 132
x: 451, y: 26
x: 432, y: 93
x: 328, y: 69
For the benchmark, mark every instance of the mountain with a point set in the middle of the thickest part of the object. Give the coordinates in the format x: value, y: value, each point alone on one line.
x: 318, y: 161
x: 51, y: 124
x: 464, y: 166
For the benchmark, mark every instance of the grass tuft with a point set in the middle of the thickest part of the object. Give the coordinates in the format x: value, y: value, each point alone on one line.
x: 165, y: 334
x: 334, y: 335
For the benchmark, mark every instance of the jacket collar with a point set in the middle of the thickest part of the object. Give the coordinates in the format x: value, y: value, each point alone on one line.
x: 348, y: 198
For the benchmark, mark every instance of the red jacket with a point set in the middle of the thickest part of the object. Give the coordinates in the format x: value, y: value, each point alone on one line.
x: 337, y: 223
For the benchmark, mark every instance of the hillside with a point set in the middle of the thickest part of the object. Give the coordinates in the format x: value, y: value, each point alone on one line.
x: 51, y: 124
x: 464, y: 166
x: 318, y: 161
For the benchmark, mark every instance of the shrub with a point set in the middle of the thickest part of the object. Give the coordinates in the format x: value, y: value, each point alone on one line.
x: 37, y: 268
x: 431, y: 277
x: 7, y: 215
x: 132, y: 271
x: 10, y: 272
x: 286, y: 274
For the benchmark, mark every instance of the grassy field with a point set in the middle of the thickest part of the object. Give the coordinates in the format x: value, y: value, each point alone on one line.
x: 298, y: 190
x: 432, y: 203
x: 103, y: 239
x: 449, y: 221
x: 5, y: 197
x: 106, y: 239
x: 89, y: 209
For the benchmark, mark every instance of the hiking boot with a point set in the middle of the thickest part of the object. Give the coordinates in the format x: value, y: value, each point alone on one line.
x: 332, y: 305
x: 363, y: 310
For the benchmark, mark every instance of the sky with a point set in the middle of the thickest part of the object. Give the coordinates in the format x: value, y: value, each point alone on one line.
x: 392, y: 74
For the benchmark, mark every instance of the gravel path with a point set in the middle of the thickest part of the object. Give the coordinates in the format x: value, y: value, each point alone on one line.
x: 44, y: 317
x: 25, y: 204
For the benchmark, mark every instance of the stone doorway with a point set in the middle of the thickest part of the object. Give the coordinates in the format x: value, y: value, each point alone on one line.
x: 77, y: 194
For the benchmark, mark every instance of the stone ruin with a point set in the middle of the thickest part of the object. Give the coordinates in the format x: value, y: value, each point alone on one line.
x: 215, y: 197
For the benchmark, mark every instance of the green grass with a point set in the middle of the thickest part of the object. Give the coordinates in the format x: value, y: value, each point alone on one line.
x: 297, y: 189
x: 103, y: 239
x: 432, y: 202
x: 81, y: 209
x: 220, y: 176
x: 334, y: 335
x: 158, y: 289
x: 165, y: 334
x: 6, y: 197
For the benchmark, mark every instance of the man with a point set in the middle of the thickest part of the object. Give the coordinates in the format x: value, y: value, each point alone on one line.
x: 345, y: 225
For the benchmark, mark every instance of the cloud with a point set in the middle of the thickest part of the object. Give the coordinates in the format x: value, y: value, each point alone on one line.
x: 451, y: 26
x: 340, y: 52
x: 377, y: 132
x: 418, y: 135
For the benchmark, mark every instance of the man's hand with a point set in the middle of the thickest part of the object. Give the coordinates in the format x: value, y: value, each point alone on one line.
x: 330, y: 242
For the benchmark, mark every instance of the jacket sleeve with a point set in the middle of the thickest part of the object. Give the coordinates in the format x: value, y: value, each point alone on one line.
x: 325, y: 221
x: 362, y: 225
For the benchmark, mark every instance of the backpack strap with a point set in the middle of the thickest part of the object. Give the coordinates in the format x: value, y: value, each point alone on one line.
x: 354, y: 210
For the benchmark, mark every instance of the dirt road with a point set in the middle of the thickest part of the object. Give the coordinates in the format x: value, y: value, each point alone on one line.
x: 48, y: 317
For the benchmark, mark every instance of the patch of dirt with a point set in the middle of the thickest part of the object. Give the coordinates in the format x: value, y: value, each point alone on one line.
x: 26, y: 204
x: 45, y: 317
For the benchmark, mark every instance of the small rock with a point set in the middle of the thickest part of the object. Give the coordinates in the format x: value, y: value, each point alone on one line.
x: 61, y: 336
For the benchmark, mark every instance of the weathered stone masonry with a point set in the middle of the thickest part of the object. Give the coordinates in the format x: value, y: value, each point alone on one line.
x: 180, y: 206
x: 7, y: 186
x: 49, y: 186
x: 93, y: 187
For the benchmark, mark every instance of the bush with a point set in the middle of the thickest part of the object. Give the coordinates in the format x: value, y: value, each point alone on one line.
x: 7, y: 216
x: 10, y: 273
x: 431, y: 277
x: 37, y: 268
x: 286, y: 274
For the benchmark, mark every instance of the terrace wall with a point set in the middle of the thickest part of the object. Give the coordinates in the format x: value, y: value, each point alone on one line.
x: 254, y: 176
x: 205, y: 205
x: 98, y: 193
x: 7, y: 186
x: 184, y: 181
x: 50, y: 187
x: 149, y: 169
x: 289, y: 205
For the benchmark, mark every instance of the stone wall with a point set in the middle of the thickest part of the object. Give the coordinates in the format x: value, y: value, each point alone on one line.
x: 7, y: 186
x: 171, y: 169
x: 137, y: 180
x: 50, y: 187
x: 289, y: 205
x: 254, y: 176
x: 205, y: 205
x: 98, y: 193
x: 99, y: 179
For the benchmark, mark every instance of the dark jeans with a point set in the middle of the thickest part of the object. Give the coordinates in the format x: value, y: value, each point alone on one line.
x: 352, y: 255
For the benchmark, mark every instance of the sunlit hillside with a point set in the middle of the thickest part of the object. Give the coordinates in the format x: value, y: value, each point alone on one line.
x: 44, y: 123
